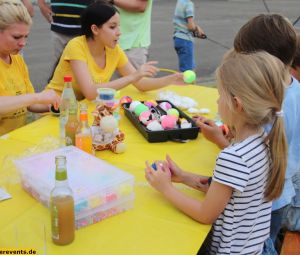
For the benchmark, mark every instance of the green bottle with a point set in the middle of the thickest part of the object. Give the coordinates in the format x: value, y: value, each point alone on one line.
x: 62, y: 206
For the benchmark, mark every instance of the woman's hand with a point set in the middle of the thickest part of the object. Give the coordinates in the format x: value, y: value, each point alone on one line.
x: 48, y: 97
x: 175, y: 79
x: 147, y: 70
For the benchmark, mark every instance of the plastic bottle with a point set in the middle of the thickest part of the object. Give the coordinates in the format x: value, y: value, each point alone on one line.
x: 71, y: 126
x: 83, y: 138
x: 68, y: 99
x: 62, y: 206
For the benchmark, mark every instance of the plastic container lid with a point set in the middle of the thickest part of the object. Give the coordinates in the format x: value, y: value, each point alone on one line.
x: 106, y: 93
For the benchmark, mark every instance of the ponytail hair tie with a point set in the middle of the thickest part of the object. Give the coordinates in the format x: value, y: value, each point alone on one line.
x: 279, y: 113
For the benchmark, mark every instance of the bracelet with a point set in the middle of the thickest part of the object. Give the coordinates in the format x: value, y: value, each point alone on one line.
x: 209, y: 180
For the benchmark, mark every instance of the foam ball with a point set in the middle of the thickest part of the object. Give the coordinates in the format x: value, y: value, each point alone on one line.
x: 165, y: 106
x: 150, y: 103
x: 153, y: 165
x: 189, y: 76
x: 125, y: 99
x: 154, y: 126
x: 108, y: 124
x: 168, y: 121
x: 146, y: 117
x: 140, y: 108
x: 225, y: 129
x: 184, y: 123
x: 173, y: 112
x: 133, y: 105
x: 120, y: 148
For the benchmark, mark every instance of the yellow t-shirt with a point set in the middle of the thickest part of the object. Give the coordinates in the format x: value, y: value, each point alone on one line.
x: 14, y: 81
x: 77, y: 49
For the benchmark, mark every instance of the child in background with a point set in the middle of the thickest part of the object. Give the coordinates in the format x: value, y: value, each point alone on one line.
x: 291, y: 213
x: 295, y: 70
x: 250, y: 172
x: 91, y: 59
x: 276, y: 35
x: 185, y: 29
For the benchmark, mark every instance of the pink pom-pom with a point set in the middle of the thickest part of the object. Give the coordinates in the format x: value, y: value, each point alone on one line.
x: 150, y: 103
x: 165, y: 106
x: 146, y: 117
x: 168, y: 121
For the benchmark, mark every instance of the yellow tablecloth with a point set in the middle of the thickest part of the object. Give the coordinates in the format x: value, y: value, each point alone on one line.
x: 153, y: 226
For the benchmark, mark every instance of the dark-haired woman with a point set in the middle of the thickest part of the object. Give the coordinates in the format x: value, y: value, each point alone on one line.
x: 93, y: 58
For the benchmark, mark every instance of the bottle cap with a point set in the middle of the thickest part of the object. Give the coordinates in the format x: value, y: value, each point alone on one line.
x: 67, y: 78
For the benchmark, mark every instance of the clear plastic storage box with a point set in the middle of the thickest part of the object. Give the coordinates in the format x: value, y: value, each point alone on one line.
x: 100, y: 189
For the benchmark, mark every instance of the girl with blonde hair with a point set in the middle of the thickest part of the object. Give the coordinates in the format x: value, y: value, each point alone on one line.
x: 249, y: 173
x: 16, y: 91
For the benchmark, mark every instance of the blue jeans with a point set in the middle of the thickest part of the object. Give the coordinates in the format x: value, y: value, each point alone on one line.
x: 291, y: 216
x: 276, y: 223
x: 185, y: 53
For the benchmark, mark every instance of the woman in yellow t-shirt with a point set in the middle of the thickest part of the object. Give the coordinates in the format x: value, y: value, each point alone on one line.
x: 16, y: 91
x: 93, y: 58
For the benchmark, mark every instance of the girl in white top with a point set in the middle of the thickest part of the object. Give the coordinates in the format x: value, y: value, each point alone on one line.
x: 249, y: 173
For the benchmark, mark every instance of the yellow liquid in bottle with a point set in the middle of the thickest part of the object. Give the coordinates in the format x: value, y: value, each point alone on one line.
x: 84, y: 142
x: 63, y: 220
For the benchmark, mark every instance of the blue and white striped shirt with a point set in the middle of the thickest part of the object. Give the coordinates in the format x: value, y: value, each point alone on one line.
x: 244, y: 224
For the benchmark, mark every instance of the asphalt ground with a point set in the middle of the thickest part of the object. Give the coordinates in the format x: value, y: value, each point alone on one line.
x: 220, y: 19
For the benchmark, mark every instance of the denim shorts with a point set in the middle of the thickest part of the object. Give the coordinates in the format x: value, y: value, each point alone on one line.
x: 291, y: 214
x: 185, y: 52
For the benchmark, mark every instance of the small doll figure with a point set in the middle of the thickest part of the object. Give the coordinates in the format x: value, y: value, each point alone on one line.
x: 106, y: 134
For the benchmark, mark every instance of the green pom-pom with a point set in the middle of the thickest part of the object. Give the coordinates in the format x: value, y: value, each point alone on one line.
x: 140, y: 108
x: 189, y: 76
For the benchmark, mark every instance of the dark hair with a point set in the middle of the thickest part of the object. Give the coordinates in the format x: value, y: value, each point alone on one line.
x: 296, y: 61
x: 272, y: 33
x: 97, y: 13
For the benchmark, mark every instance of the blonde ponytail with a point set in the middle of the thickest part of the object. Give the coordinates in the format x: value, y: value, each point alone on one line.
x: 278, y: 150
x: 258, y: 79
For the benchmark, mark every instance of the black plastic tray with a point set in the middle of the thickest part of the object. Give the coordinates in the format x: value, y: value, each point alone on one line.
x: 176, y: 134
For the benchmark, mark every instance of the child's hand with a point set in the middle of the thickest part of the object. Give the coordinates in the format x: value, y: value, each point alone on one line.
x: 159, y: 179
x: 177, y: 174
x: 203, y: 183
x: 200, y: 32
x: 211, y: 131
